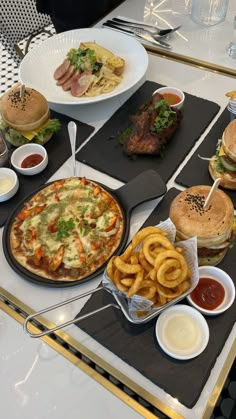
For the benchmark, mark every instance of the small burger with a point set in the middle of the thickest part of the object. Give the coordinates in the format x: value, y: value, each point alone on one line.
x: 25, y: 116
x: 223, y: 164
x: 212, y: 225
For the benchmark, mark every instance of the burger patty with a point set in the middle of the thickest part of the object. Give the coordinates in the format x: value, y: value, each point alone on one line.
x: 206, y: 252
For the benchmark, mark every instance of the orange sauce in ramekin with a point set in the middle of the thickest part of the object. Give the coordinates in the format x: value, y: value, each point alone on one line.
x: 171, y: 98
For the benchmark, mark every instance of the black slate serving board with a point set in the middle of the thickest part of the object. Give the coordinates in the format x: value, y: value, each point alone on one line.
x: 104, y: 152
x: 195, y: 172
x: 148, y: 185
x: 137, y: 345
x: 59, y: 150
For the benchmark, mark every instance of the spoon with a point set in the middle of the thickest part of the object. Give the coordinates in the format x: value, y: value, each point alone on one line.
x: 72, y: 129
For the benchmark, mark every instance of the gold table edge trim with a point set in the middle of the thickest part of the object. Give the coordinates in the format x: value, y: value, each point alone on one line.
x: 184, y: 59
x: 108, y: 368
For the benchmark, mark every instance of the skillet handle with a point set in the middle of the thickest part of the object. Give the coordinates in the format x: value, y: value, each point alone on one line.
x: 144, y: 187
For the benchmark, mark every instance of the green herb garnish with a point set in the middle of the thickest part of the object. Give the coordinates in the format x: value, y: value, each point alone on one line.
x: 124, y: 136
x: 64, y: 228
x: 84, y: 60
x: 165, y: 116
x: 83, y: 210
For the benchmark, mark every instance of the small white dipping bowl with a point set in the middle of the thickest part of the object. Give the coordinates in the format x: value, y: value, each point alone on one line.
x: 24, y: 151
x: 232, y: 103
x: 182, y: 332
x: 224, y: 279
x: 175, y: 91
x: 9, y: 183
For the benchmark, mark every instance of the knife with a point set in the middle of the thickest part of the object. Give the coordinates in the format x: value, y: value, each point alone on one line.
x: 135, y: 22
x: 146, y: 37
x: 149, y: 26
x: 139, y: 25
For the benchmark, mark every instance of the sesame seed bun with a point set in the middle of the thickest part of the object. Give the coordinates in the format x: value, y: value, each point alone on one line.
x: 229, y: 140
x: 26, y: 113
x: 212, y: 226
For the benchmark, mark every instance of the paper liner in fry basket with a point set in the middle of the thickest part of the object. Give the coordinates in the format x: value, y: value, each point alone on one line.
x: 137, y: 307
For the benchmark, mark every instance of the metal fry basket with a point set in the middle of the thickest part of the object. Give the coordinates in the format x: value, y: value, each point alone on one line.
x: 121, y: 303
x: 136, y: 309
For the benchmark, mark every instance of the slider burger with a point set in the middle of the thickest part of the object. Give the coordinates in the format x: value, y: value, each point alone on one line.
x: 223, y: 164
x: 25, y: 116
x: 213, y: 225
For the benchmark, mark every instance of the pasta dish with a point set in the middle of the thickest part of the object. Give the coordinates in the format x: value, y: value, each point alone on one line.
x: 89, y: 70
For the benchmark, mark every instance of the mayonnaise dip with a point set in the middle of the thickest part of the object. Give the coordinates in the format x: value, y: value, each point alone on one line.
x: 181, y: 332
x: 6, y: 184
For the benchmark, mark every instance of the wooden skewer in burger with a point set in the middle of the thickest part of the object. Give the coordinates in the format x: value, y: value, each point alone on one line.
x: 212, y: 224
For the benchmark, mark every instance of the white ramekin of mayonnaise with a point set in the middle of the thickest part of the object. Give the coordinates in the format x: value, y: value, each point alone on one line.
x: 9, y: 183
x: 182, y: 332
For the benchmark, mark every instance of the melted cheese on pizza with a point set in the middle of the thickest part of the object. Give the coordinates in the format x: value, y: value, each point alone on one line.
x: 67, y: 230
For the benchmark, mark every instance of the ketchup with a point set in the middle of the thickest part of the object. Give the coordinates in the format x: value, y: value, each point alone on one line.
x: 171, y: 98
x: 208, y: 294
x: 31, y: 160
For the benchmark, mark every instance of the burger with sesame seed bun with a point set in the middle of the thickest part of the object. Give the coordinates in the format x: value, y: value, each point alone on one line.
x: 213, y: 226
x: 223, y: 164
x: 25, y: 116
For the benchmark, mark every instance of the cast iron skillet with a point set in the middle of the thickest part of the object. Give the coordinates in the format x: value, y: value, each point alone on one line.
x: 146, y: 186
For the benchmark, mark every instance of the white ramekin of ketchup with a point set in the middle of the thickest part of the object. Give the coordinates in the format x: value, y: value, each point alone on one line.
x: 29, y: 159
x: 214, y: 293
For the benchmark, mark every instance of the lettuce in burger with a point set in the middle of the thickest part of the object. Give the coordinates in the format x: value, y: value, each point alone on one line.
x: 223, y: 164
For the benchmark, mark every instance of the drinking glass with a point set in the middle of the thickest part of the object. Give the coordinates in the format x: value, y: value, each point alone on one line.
x: 232, y: 45
x: 209, y: 12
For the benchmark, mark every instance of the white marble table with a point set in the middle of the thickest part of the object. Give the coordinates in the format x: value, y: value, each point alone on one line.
x: 36, y: 379
x: 37, y: 382
x: 191, y: 80
x: 193, y: 43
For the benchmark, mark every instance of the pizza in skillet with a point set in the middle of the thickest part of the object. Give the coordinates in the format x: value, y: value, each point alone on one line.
x: 67, y: 231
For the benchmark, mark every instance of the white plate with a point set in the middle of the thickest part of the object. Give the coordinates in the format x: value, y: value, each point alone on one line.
x: 182, y: 332
x: 38, y: 66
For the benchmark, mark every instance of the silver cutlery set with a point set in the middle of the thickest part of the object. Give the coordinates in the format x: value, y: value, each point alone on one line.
x: 145, y: 31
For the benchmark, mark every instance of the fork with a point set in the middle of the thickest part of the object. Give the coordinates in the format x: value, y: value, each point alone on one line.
x: 149, y: 37
x: 135, y: 32
x: 142, y: 31
x: 144, y: 26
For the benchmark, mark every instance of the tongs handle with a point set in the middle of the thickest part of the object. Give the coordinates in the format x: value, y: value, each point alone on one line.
x: 65, y: 324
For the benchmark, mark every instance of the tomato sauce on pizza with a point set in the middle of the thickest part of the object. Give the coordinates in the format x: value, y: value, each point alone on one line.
x: 67, y: 230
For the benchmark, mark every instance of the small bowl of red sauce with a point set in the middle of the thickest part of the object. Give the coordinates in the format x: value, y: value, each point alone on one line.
x: 29, y: 159
x: 174, y: 96
x: 214, y: 293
